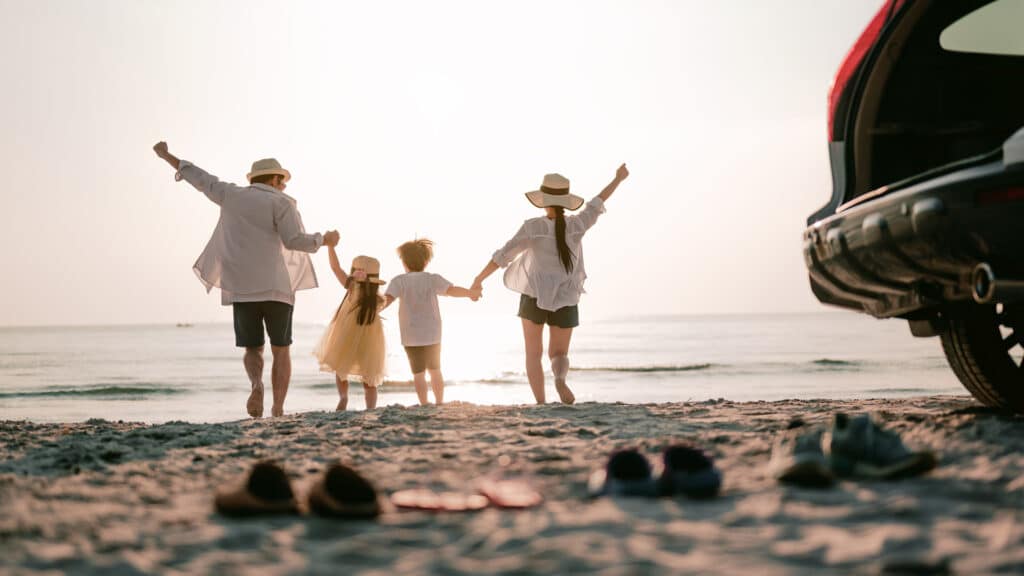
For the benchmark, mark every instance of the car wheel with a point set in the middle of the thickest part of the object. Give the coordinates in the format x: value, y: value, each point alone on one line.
x: 984, y: 345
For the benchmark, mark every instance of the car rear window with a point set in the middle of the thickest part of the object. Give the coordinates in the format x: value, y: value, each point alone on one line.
x: 994, y: 28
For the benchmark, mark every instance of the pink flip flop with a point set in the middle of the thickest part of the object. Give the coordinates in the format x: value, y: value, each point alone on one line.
x: 509, y: 494
x: 430, y: 501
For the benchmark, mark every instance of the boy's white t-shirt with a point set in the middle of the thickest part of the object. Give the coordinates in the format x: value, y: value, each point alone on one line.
x: 418, y: 313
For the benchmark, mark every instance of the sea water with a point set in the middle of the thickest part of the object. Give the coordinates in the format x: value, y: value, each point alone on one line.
x: 194, y: 373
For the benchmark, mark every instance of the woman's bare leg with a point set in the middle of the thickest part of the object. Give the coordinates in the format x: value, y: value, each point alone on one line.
x: 558, y: 351
x: 533, y: 339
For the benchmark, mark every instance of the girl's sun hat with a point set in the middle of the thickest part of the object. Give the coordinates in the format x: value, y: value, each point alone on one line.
x: 268, y: 166
x: 554, y: 191
x: 371, y: 266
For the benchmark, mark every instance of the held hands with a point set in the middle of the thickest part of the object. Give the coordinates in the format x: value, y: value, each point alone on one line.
x: 331, y: 238
x: 475, y: 293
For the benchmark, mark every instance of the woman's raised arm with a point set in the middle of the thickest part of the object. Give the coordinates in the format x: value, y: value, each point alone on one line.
x: 621, y: 174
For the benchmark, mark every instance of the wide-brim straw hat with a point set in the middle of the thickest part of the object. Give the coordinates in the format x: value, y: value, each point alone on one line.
x: 268, y: 166
x: 369, y: 265
x: 554, y: 191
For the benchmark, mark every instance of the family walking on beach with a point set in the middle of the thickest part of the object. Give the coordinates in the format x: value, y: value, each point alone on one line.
x: 258, y: 256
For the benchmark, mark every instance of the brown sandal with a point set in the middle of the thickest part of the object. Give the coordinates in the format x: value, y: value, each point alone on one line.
x: 266, y: 491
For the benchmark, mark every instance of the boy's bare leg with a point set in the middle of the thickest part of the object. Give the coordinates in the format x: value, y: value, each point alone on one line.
x: 437, y: 383
x: 420, y: 382
x: 533, y: 339
x: 558, y: 351
x: 280, y: 376
x: 342, y: 393
x: 371, y: 396
x: 253, y: 361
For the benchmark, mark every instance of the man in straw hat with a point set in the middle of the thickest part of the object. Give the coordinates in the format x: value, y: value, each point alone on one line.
x: 258, y: 258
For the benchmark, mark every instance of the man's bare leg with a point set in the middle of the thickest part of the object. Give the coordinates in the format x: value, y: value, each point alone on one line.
x: 253, y: 361
x: 280, y: 376
x: 437, y: 383
x: 533, y: 340
x: 342, y: 393
x: 371, y: 396
x: 420, y: 382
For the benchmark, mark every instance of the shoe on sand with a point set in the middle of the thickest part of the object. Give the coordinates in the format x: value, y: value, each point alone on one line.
x: 628, y: 473
x: 509, y: 494
x: 688, y: 471
x: 254, y: 406
x: 797, y: 458
x: 862, y: 448
x: 266, y: 491
x: 343, y: 493
x: 429, y: 501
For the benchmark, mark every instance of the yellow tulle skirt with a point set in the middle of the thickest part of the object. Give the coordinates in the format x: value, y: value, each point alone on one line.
x: 350, y: 349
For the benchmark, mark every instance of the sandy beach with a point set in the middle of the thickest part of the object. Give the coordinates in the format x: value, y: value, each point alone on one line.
x: 105, y: 497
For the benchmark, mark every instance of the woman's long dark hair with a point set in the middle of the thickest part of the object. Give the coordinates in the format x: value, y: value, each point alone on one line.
x: 564, y: 254
x: 367, y: 311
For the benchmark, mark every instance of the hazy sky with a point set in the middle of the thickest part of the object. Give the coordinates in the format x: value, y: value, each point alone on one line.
x: 399, y: 119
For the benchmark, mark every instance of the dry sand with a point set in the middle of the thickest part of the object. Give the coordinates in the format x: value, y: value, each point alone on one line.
x: 131, y: 498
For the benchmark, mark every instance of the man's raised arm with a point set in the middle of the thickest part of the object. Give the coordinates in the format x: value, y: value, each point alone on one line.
x: 206, y: 183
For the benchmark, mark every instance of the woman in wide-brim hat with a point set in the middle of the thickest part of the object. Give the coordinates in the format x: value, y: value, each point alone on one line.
x: 544, y: 263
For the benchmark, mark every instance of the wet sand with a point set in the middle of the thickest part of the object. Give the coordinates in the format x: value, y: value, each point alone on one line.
x: 103, y: 497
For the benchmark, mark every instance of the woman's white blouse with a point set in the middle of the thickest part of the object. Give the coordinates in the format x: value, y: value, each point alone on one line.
x: 532, y: 258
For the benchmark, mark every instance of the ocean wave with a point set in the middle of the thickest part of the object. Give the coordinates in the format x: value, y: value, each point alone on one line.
x: 833, y: 362
x: 353, y: 382
x: 678, y: 368
x: 94, y: 392
x: 501, y: 380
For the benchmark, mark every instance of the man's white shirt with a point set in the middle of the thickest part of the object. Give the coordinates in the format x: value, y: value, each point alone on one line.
x: 259, y: 249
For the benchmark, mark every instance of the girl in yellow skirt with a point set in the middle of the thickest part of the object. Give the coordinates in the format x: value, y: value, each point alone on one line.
x: 353, y: 344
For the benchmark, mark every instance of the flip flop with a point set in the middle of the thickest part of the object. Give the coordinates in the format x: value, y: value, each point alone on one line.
x: 510, y: 494
x: 343, y: 493
x: 690, y: 472
x: 266, y: 491
x: 430, y: 501
x: 254, y: 406
x: 627, y: 473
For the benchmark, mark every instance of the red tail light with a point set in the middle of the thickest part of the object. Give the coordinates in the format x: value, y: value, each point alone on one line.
x: 853, y: 59
x: 1000, y: 196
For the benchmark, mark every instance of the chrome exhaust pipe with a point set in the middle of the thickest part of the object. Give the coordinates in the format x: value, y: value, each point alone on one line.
x: 986, y: 288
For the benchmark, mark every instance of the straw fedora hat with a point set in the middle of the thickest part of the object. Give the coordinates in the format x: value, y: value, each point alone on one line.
x: 268, y: 166
x: 369, y: 265
x: 554, y: 191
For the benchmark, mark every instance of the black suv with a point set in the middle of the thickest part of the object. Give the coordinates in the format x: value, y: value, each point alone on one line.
x: 926, y: 220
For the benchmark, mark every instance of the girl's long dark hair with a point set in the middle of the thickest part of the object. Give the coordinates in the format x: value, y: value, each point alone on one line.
x: 367, y: 311
x: 564, y: 254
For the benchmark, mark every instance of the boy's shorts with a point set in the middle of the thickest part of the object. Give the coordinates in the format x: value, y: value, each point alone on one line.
x: 250, y: 318
x: 423, y: 358
x: 564, y: 317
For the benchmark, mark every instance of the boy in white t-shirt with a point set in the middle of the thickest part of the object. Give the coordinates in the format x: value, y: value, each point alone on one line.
x: 419, y: 316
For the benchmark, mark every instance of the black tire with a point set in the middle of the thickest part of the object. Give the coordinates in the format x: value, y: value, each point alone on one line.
x: 980, y: 354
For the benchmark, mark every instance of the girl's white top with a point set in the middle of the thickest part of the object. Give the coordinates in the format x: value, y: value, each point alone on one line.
x: 532, y: 258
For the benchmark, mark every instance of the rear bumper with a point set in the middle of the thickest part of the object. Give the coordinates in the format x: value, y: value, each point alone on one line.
x: 915, y: 249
